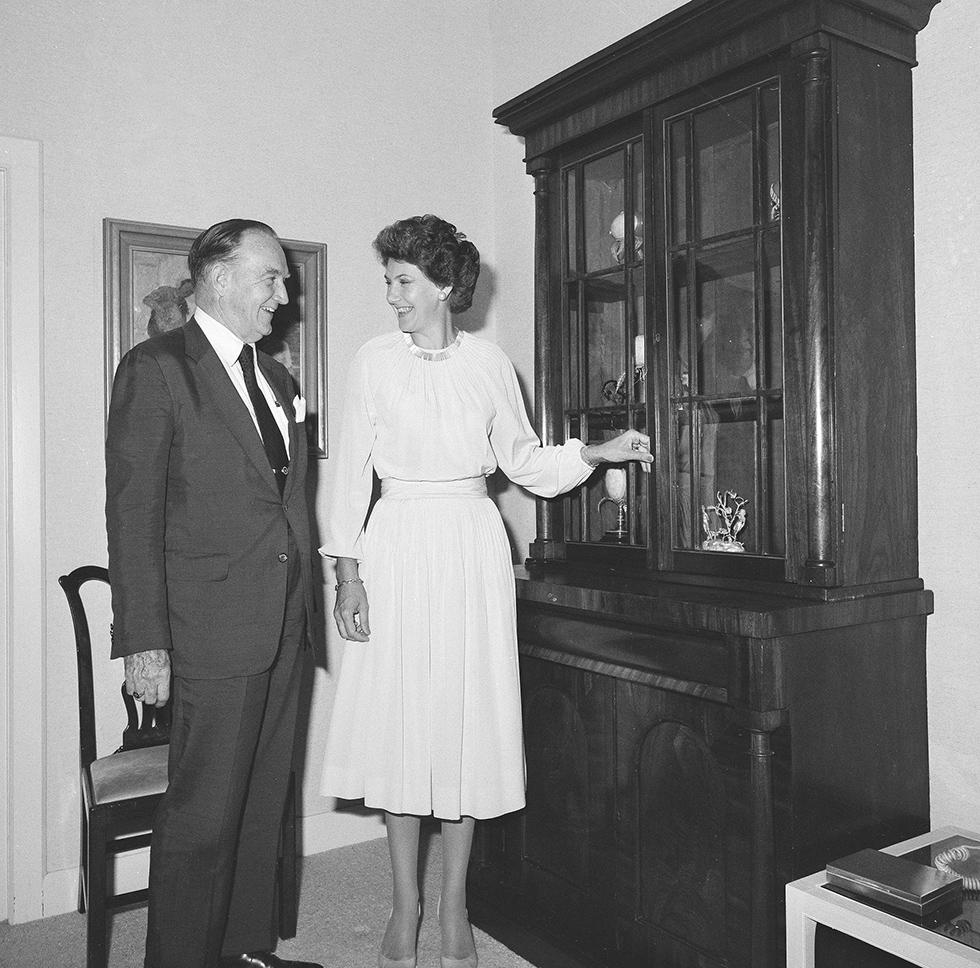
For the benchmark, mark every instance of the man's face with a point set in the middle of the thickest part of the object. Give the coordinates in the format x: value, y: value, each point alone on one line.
x: 251, y: 287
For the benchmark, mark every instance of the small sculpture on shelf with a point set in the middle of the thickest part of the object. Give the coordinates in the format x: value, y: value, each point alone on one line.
x: 618, y: 232
x: 730, y: 513
x: 614, y: 484
x: 775, y: 204
x: 615, y: 390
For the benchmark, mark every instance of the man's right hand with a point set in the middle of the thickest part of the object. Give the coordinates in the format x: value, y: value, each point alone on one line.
x: 148, y: 676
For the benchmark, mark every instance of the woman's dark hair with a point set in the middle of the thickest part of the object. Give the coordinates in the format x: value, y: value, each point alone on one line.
x: 442, y: 253
x: 219, y: 244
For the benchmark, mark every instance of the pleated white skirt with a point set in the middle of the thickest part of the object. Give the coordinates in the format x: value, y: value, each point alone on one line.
x: 427, y: 715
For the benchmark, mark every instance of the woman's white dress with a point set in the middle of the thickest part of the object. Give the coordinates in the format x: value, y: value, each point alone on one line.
x: 427, y: 715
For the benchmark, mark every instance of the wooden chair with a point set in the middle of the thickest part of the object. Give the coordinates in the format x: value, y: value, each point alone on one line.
x: 121, y: 791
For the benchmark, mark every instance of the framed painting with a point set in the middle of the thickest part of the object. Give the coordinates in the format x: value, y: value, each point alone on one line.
x: 148, y: 291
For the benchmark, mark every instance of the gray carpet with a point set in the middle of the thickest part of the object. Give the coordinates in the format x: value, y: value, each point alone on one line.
x: 345, y: 896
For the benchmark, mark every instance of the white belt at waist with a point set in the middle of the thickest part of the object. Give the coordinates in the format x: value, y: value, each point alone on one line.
x: 392, y: 487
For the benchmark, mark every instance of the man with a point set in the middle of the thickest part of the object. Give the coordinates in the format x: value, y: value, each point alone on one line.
x: 210, y: 566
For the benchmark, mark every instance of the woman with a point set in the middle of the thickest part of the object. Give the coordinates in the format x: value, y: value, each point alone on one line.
x: 427, y: 717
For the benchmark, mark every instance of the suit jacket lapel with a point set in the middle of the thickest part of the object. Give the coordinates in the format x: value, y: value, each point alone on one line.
x: 227, y: 403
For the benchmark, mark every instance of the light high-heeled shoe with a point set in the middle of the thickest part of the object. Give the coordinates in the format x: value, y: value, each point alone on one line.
x: 471, y: 960
x: 409, y: 962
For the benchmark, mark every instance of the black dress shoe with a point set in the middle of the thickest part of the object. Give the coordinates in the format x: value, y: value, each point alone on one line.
x: 263, y: 959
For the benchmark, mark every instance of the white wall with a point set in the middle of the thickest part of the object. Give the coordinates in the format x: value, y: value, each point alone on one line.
x: 327, y: 120
x: 947, y: 243
x: 330, y: 120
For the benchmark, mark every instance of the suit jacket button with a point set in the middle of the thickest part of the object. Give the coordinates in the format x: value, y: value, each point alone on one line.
x: 283, y: 557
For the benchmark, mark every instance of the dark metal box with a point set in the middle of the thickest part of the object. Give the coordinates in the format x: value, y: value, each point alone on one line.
x: 895, y: 882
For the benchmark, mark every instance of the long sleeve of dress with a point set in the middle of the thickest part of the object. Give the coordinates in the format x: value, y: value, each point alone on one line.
x: 352, y: 480
x: 544, y: 470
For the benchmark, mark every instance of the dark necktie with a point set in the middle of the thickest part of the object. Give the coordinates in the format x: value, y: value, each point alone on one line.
x: 275, y: 448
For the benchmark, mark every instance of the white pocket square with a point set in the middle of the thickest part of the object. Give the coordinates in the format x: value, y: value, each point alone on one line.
x: 299, y: 408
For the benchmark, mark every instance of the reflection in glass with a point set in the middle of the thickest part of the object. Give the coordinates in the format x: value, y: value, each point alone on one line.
x: 774, y: 500
x: 639, y: 207
x: 603, y: 203
x: 573, y: 377
x: 723, y: 146
x: 726, y: 320
x: 605, y: 307
x: 771, y: 178
x: 571, y: 219
x: 677, y: 136
x: 639, y: 340
x: 772, y: 309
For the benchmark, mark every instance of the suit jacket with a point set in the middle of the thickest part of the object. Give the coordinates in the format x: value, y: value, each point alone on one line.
x: 197, y: 529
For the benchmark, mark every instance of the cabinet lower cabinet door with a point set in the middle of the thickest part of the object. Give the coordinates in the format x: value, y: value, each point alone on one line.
x: 634, y: 847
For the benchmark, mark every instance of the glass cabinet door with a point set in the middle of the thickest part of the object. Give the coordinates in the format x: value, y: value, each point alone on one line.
x: 724, y: 325
x: 603, y: 299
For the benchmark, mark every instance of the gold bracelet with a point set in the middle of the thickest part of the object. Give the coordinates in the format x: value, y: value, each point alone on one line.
x: 348, y: 581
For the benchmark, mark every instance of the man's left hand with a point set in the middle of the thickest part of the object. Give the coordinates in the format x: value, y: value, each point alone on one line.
x: 148, y: 676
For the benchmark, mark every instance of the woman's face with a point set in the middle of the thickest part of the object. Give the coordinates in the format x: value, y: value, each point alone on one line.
x: 417, y: 301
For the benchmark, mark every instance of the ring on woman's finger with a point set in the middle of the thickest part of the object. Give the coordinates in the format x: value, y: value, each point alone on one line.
x: 635, y: 445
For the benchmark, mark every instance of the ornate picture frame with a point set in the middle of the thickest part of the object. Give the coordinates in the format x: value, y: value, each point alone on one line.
x: 147, y: 291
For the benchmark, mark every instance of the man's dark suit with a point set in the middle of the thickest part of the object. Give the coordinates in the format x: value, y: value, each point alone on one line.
x: 208, y: 561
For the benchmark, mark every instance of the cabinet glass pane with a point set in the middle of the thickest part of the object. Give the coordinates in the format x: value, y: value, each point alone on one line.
x: 604, y: 181
x: 571, y: 219
x: 772, y: 310
x: 687, y: 498
x: 639, y: 206
x: 573, y: 506
x: 728, y: 478
x: 724, y: 326
x: 715, y: 446
x: 723, y: 148
x: 775, y: 497
x: 771, y: 178
x: 726, y: 320
x: 639, y: 338
x: 573, y: 376
x: 682, y: 365
x: 605, y: 306
x: 677, y: 154
x: 604, y: 310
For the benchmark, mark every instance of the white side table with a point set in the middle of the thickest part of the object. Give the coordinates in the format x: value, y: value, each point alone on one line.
x: 808, y: 904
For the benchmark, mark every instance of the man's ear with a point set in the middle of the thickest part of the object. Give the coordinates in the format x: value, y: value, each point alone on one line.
x: 218, y: 277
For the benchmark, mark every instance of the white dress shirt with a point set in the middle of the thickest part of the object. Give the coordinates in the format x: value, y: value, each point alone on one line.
x: 229, y: 347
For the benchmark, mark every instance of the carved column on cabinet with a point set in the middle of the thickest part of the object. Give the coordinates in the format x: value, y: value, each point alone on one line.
x: 548, y: 544
x: 820, y: 567
x: 763, y: 844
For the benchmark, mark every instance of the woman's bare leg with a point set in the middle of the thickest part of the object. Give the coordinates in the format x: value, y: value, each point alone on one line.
x: 457, y: 936
x: 403, y: 847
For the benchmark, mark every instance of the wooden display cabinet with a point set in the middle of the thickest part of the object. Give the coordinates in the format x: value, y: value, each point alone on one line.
x: 723, y: 662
